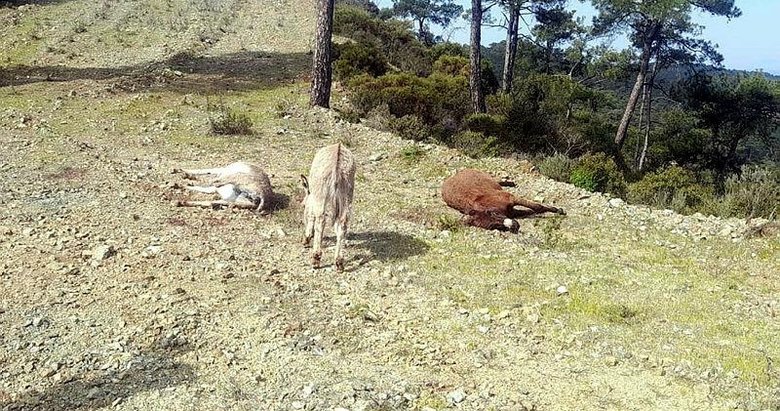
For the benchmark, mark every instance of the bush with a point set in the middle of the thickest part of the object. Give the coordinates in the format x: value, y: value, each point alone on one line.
x: 489, y: 125
x: 558, y: 167
x: 583, y: 179
x: 409, y: 127
x: 439, y: 101
x: 476, y: 145
x: 366, y: 5
x: 755, y: 192
x: 597, y: 172
x: 674, y: 187
x: 450, y: 223
x: 229, y: 122
x: 448, y: 49
x: 394, y: 38
x: 412, y: 154
x: 452, y: 65
x: 353, y: 58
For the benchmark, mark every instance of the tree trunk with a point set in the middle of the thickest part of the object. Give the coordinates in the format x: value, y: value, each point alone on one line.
x: 643, y: 155
x: 649, y: 96
x: 511, y: 48
x: 647, y: 54
x: 620, y: 137
x: 475, y: 77
x: 321, y: 68
x: 638, y: 146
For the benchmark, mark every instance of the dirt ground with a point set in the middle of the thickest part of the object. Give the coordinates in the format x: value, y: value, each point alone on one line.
x: 113, y: 298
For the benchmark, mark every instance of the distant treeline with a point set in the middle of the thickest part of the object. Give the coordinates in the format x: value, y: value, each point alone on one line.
x: 700, y: 138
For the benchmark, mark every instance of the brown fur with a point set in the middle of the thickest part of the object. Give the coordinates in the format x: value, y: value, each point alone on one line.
x: 485, y: 204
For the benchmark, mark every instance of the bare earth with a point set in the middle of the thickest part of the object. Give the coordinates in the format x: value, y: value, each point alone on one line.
x: 112, y: 298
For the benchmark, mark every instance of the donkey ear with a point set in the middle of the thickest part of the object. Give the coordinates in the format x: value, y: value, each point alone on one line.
x: 305, y: 183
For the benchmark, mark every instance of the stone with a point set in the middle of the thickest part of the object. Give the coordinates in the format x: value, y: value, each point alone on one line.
x: 103, y: 252
x: 457, y: 396
x: 377, y: 156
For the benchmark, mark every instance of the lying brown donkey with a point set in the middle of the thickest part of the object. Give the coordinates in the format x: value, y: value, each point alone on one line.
x: 485, y: 204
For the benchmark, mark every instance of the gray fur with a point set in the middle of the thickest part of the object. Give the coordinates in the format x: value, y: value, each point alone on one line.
x: 240, y: 184
x: 329, y: 192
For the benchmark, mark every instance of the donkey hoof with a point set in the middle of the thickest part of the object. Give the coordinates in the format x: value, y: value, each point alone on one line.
x: 339, y: 265
x: 561, y: 211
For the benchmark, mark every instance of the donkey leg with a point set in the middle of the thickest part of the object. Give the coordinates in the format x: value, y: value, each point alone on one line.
x: 203, y: 171
x: 531, y: 208
x: 202, y: 189
x: 319, y: 231
x: 308, y: 233
x: 341, y: 233
x: 206, y: 203
x: 212, y: 203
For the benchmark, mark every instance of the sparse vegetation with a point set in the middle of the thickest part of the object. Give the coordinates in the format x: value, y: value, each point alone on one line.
x: 412, y: 154
x: 755, y: 192
x: 450, y: 223
x: 658, y: 309
x: 558, y: 167
x: 229, y: 121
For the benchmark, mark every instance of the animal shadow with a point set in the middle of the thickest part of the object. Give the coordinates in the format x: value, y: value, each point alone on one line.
x: 154, y: 368
x: 388, y: 245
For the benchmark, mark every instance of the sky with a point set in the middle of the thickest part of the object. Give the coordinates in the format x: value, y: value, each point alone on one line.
x: 749, y: 42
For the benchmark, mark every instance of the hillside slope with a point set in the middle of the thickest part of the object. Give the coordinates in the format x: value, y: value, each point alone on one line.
x: 112, y: 298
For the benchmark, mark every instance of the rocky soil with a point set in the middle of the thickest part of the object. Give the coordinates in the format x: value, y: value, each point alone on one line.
x: 112, y: 298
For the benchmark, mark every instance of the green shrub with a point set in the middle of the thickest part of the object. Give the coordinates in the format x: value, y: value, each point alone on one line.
x: 366, y: 5
x: 558, y: 167
x: 448, y: 49
x: 228, y: 121
x: 353, y: 58
x: 674, y: 187
x: 476, y: 145
x: 597, y: 172
x: 409, y: 127
x: 583, y: 179
x: 754, y: 192
x: 412, y: 153
x: 450, y: 223
x: 452, y: 65
x: 394, y: 38
x: 440, y: 101
x: 487, y: 124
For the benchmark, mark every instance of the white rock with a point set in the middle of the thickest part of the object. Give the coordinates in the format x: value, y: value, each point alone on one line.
x: 457, y: 396
x: 561, y: 290
x: 103, y: 252
x: 377, y: 156
x: 615, y: 202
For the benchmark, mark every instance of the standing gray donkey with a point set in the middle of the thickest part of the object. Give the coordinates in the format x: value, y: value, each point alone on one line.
x: 329, y: 192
